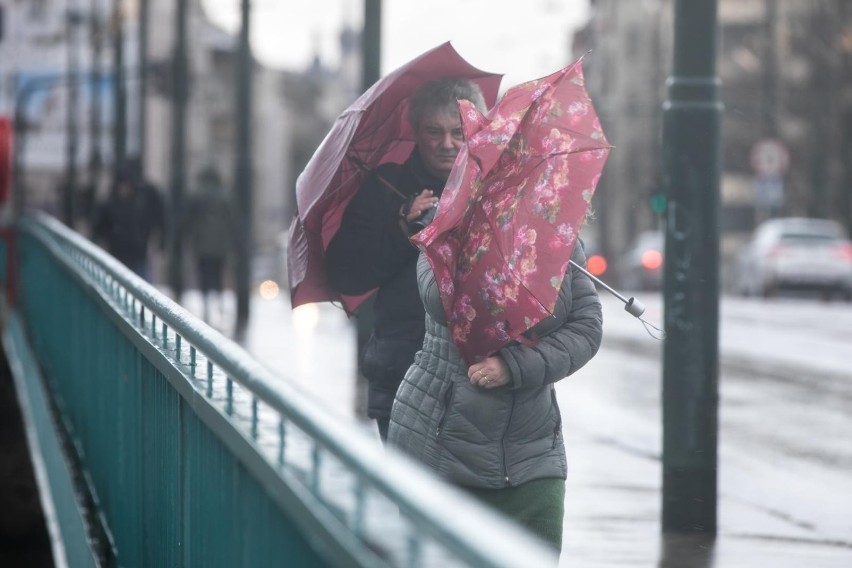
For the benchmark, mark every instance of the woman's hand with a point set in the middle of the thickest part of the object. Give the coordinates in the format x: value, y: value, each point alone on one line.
x: 489, y: 373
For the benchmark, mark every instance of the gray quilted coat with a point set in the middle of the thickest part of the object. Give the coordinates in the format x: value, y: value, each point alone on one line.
x: 508, y: 435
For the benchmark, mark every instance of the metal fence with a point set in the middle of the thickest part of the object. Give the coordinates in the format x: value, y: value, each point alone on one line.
x: 193, y: 454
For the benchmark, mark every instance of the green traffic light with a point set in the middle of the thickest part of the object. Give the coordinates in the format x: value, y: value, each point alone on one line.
x: 657, y: 202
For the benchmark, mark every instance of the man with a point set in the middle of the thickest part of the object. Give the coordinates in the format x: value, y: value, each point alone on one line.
x: 128, y: 219
x: 372, y: 250
x: 210, y: 224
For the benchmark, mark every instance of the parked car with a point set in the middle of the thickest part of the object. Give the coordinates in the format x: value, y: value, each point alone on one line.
x: 641, y: 267
x: 795, y: 253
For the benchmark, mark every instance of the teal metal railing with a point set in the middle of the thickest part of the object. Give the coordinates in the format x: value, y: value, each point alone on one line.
x: 194, y: 454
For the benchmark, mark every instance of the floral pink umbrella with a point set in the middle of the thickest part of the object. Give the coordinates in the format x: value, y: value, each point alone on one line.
x: 512, y: 209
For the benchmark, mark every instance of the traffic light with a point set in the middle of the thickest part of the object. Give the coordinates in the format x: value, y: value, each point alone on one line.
x: 657, y: 201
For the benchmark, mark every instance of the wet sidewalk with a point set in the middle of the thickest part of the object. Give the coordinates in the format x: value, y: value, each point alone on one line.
x: 613, y: 496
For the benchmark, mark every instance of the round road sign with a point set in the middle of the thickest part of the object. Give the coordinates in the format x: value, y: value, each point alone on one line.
x: 770, y: 158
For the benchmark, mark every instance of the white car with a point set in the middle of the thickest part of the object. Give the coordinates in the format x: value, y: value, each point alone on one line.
x: 795, y: 253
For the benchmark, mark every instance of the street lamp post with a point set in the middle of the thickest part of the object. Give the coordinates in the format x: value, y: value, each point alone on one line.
x: 144, y: 20
x: 95, y: 158
x: 243, y: 175
x: 180, y: 71
x: 691, y: 152
x: 371, y: 56
x: 119, y: 88
x: 371, y: 43
x: 69, y: 187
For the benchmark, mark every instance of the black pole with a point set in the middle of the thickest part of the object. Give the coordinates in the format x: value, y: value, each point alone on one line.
x: 144, y: 20
x: 371, y: 46
x: 178, y: 174
x: 119, y: 90
x: 95, y: 158
x: 371, y: 43
x: 69, y: 186
x: 770, y: 69
x: 243, y: 175
x: 691, y: 150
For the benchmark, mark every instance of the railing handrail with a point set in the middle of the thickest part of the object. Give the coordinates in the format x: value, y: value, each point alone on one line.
x: 473, y: 532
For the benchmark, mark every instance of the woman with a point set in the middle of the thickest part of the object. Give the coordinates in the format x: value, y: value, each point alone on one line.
x: 494, y: 427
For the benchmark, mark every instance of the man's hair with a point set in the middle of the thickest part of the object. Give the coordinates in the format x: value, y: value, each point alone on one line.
x: 442, y: 95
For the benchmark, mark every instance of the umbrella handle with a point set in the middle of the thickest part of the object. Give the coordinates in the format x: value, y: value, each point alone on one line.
x: 632, y: 306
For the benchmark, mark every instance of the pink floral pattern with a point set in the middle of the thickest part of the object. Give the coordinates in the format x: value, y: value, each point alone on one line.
x: 511, y: 211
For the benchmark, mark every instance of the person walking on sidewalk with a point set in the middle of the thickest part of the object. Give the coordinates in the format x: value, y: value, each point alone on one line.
x: 127, y: 220
x: 210, y: 224
x: 494, y: 427
x: 371, y: 249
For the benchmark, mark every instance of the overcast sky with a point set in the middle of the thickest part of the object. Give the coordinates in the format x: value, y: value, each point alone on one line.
x: 523, y: 40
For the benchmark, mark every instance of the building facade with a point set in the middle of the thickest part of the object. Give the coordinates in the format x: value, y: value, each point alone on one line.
x: 48, y: 41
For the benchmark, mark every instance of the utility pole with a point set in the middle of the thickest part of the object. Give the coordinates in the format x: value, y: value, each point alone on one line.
x: 144, y: 19
x: 69, y: 187
x: 371, y: 56
x: 691, y: 152
x: 770, y: 69
x: 119, y: 89
x: 371, y: 43
x: 180, y: 70
x: 243, y: 178
x: 95, y: 159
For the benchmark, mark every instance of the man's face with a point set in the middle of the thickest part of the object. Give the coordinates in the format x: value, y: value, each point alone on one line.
x: 439, y: 138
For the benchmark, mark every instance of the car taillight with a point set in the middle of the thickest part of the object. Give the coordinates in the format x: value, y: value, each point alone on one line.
x: 596, y: 264
x: 778, y: 250
x: 652, y: 259
x: 844, y: 251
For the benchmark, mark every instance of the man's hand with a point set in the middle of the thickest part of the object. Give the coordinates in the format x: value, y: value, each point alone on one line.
x: 423, y: 202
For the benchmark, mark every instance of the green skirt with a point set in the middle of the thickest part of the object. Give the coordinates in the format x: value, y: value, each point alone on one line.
x: 538, y: 505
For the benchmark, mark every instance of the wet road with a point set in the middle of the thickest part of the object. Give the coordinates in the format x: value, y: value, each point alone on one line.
x: 785, y: 456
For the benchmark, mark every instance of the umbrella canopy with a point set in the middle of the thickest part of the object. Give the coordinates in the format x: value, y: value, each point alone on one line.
x: 512, y: 209
x: 374, y: 130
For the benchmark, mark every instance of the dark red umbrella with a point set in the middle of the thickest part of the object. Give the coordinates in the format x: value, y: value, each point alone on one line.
x: 374, y: 130
x: 512, y: 209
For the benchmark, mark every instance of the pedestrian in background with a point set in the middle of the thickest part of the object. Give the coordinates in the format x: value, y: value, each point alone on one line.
x: 128, y: 220
x: 371, y: 249
x: 210, y: 225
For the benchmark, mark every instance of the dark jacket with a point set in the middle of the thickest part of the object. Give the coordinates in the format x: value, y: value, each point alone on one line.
x: 127, y: 222
x: 210, y: 223
x: 509, y: 435
x: 370, y: 251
